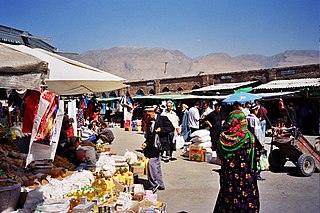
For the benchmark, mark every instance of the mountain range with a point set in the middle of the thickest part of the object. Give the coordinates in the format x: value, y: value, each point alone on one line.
x: 141, y: 63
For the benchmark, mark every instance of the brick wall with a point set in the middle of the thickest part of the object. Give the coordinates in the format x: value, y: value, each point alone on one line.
x: 185, y: 84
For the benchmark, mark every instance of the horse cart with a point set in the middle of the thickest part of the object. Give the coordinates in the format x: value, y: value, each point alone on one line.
x: 293, y: 146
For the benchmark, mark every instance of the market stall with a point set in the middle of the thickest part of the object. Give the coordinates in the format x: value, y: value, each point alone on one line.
x: 69, y: 77
x: 110, y: 185
x: 33, y: 70
x: 33, y: 177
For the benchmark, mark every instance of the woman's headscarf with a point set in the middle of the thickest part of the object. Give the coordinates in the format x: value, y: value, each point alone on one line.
x: 235, y: 135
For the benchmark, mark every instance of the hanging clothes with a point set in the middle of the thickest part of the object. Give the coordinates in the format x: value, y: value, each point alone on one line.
x: 31, y: 100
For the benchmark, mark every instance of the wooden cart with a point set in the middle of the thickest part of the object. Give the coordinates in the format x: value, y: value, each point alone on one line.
x: 295, y: 147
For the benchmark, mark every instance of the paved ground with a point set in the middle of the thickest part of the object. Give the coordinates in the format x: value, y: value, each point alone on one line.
x: 193, y: 186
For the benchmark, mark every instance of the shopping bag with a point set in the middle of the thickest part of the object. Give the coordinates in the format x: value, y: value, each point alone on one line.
x: 179, y: 142
x: 263, y: 164
x: 157, y: 142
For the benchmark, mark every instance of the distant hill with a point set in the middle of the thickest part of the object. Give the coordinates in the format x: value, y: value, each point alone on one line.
x: 137, y: 63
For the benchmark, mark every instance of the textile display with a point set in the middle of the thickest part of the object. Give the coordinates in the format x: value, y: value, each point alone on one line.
x: 46, y: 128
x: 45, y: 118
x: 72, y: 112
x: 30, y: 110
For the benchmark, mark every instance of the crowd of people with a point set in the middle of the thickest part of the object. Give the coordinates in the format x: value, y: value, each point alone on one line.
x: 237, y: 138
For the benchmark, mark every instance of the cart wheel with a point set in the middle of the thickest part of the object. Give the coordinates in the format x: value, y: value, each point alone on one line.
x: 306, y: 165
x: 276, y: 160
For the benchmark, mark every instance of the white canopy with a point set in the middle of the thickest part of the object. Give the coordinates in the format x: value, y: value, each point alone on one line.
x: 69, y: 77
x: 223, y: 86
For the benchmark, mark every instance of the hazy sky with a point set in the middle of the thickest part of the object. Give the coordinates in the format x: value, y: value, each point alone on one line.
x: 194, y: 27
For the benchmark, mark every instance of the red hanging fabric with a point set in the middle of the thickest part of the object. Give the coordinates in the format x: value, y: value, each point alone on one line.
x: 30, y: 110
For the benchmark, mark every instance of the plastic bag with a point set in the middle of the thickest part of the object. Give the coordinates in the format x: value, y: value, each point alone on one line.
x: 131, y: 157
x: 263, y: 164
x: 179, y: 142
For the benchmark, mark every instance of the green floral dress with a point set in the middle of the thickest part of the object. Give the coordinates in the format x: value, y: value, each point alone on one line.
x: 238, y: 177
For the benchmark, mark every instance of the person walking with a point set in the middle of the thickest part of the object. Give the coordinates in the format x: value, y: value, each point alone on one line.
x: 171, y: 147
x: 292, y: 115
x: 262, y: 116
x: 246, y: 109
x: 156, y: 135
x: 193, y: 117
x: 255, y: 128
x: 185, y: 130
x: 206, y: 110
x: 238, y: 178
x: 215, y: 120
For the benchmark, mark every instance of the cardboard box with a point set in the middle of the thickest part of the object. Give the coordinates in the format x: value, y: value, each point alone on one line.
x: 139, y: 170
x: 196, y: 153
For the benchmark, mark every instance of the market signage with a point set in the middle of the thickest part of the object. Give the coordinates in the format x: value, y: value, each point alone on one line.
x: 225, y: 77
x: 287, y: 72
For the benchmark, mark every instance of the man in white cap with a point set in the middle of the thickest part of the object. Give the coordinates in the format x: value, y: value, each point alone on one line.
x: 156, y: 135
x: 171, y: 147
x: 255, y: 128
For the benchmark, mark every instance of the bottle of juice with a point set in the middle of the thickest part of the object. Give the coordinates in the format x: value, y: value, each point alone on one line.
x: 146, y: 166
x: 130, y: 179
x: 122, y: 179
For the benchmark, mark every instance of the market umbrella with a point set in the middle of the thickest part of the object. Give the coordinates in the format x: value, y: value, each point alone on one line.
x: 242, y: 97
x: 69, y: 77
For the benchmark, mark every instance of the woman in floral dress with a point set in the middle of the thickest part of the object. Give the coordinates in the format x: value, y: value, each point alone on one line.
x: 238, y: 177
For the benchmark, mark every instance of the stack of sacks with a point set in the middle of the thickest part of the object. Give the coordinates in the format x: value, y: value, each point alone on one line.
x: 56, y: 189
x: 201, y: 138
x: 106, y: 163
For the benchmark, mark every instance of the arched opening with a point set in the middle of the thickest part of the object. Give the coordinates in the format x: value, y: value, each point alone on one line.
x: 140, y: 92
x: 152, y: 92
x: 112, y: 94
x: 179, y: 89
x: 166, y: 89
x: 195, y: 87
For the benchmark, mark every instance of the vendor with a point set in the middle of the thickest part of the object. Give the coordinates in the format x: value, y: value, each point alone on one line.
x: 64, y: 138
x: 88, y: 134
x: 105, y: 134
x: 73, y: 152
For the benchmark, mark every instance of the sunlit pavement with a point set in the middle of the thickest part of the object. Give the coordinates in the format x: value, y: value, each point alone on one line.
x: 193, y: 186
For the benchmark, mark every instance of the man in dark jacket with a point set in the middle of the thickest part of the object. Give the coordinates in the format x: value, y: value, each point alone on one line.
x: 215, y: 120
x: 105, y: 134
x: 156, y: 135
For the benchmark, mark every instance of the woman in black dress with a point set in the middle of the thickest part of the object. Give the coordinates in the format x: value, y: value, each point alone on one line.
x: 238, y: 177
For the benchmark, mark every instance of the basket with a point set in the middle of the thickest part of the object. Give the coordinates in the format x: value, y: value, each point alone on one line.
x: 9, y: 195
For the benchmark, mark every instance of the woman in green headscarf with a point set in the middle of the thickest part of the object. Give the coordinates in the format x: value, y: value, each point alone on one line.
x: 238, y: 178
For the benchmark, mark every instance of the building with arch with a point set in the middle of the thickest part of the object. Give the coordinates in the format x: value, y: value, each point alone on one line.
x: 186, y: 84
